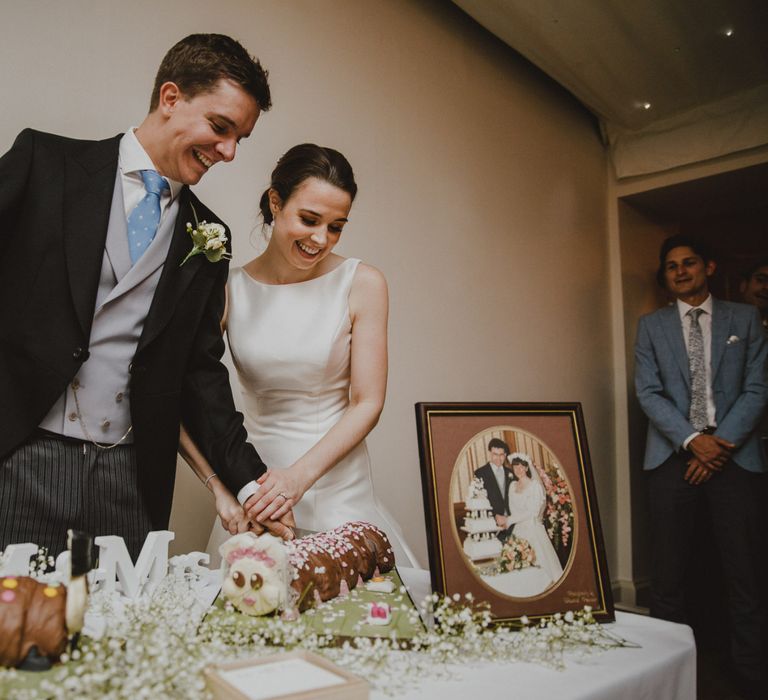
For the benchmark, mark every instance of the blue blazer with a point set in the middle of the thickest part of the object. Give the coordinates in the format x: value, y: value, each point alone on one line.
x: 739, y: 383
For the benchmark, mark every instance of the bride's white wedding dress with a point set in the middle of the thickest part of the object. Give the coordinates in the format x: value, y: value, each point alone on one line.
x: 525, y: 510
x: 291, y: 347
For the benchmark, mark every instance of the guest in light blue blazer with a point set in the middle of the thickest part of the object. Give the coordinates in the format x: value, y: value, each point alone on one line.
x: 700, y: 376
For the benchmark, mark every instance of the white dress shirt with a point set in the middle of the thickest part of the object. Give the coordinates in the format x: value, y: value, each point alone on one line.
x: 133, y: 158
x: 705, y: 322
x: 498, y: 472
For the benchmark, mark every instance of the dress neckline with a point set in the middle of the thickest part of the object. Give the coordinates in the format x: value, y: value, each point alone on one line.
x: 293, y: 284
x: 528, y: 485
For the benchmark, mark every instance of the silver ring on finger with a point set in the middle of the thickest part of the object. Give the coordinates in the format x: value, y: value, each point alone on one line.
x: 283, y: 495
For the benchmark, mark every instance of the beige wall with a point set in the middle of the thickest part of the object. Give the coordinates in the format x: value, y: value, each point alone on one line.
x: 482, y: 192
x: 641, y: 237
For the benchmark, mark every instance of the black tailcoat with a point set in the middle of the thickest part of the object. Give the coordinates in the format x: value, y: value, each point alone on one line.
x: 55, y: 197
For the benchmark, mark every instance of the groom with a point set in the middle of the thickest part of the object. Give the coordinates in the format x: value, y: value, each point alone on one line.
x: 496, y: 480
x: 107, y: 342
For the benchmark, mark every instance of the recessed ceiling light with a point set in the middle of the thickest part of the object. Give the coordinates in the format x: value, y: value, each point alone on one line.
x: 728, y: 31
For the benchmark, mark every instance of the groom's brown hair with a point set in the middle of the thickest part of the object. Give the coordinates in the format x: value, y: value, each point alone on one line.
x: 199, y: 61
x: 498, y: 444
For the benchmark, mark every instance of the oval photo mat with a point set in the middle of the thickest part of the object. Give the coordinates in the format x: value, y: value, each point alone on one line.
x: 528, y: 582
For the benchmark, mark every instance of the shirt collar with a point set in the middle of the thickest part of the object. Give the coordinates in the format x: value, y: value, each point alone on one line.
x: 683, y: 308
x: 134, y: 158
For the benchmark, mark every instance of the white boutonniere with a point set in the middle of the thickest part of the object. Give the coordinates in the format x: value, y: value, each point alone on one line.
x: 732, y: 340
x: 209, y: 239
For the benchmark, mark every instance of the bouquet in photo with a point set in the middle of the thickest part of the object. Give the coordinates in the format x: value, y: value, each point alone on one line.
x: 516, y: 554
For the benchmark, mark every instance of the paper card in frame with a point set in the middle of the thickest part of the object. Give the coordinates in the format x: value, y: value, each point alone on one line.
x: 546, y: 555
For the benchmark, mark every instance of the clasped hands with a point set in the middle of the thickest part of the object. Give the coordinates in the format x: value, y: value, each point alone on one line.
x: 710, y: 453
x: 269, y: 509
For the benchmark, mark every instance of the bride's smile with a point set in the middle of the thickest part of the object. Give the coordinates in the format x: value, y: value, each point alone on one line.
x: 307, y: 227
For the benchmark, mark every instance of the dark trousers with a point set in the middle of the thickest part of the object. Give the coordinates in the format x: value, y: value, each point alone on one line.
x: 49, y: 485
x: 732, y: 500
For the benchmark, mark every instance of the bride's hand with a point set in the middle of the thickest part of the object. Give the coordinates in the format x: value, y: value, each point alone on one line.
x: 279, y: 492
x: 230, y: 512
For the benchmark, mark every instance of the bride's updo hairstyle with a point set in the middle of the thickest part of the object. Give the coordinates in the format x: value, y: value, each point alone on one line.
x: 304, y: 161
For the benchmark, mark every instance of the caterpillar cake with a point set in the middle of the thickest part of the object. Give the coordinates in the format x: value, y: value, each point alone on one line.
x: 263, y: 574
x: 39, y: 620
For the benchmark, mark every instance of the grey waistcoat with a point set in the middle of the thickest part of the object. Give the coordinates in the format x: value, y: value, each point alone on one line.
x: 122, y: 304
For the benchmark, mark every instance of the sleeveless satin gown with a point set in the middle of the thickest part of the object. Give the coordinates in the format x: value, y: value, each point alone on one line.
x: 291, y: 347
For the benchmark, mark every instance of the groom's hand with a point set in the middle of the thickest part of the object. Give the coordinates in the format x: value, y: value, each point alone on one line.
x: 283, y: 527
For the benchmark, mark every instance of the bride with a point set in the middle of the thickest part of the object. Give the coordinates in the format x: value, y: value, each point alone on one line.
x: 526, y: 502
x: 307, y: 330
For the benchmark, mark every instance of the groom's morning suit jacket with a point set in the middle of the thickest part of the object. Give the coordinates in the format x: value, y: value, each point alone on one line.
x: 739, y: 386
x: 497, y: 499
x: 55, y: 201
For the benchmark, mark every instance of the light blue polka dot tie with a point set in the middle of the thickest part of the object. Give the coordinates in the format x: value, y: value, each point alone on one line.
x: 145, y: 217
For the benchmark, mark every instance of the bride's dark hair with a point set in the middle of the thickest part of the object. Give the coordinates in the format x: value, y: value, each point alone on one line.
x: 527, y: 466
x: 303, y: 161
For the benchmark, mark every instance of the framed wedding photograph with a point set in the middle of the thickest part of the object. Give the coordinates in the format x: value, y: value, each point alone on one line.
x: 510, y: 508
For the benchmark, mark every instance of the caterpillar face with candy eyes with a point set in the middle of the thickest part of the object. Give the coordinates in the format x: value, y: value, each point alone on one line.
x: 254, y: 582
x: 263, y: 574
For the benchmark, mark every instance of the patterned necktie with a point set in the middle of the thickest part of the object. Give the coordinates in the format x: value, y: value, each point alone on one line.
x: 145, y: 217
x: 698, y: 411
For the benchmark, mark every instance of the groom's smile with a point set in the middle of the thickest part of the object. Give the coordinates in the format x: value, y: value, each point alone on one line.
x: 205, y: 161
x: 193, y: 134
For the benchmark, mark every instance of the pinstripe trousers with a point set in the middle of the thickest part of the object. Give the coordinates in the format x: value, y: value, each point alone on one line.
x: 48, y: 485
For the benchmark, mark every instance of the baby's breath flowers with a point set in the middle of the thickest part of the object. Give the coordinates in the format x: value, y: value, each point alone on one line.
x: 158, y: 646
x: 41, y: 563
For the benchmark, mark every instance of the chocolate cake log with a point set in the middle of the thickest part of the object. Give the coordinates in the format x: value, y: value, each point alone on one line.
x: 385, y: 557
x: 32, y: 614
x: 355, y: 535
x: 325, y: 560
x: 311, y: 562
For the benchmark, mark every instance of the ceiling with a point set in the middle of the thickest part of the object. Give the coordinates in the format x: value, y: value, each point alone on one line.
x: 647, y: 66
x: 742, y: 190
x: 672, y: 82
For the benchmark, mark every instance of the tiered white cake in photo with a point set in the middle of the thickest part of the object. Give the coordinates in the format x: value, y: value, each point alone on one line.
x: 480, y: 525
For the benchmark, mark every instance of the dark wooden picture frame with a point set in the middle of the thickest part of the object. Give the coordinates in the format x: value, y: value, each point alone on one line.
x: 570, y: 570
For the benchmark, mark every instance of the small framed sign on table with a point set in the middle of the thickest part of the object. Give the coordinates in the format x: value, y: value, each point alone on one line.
x: 292, y: 675
x: 510, y: 508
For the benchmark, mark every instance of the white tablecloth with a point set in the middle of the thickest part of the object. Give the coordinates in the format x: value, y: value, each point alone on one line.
x: 663, y: 668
